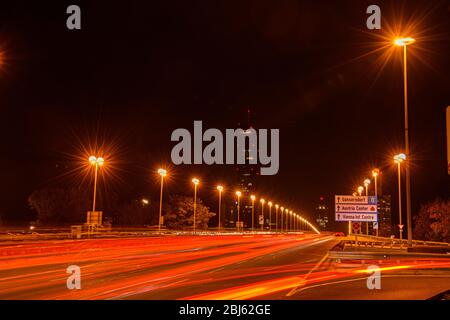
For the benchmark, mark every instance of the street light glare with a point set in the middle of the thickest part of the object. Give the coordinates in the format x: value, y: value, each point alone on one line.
x: 399, y: 158
x: 96, y: 161
x: 375, y: 172
x: 220, y: 188
x: 262, y: 201
x: 366, y: 182
x: 404, y: 41
x: 195, y: 181
x: 100, y: 161
x: 269, y: 203
x: 238, y: 193
x: 162, y: 172
x: 252, y: 197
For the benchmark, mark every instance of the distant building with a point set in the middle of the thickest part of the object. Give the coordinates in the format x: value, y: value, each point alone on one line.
x: 322, y: 214
x: 247, y: 177
x: 385, y: 216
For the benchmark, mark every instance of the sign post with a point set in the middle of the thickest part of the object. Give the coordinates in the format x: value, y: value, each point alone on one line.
x: 356, y: 209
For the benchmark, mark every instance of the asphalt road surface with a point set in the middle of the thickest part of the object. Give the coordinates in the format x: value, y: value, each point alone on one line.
x: 207, y: 267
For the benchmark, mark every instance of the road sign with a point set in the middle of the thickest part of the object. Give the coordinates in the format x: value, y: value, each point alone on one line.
x: 261, y: 219
x: 362, y: 217
x: 344, y: 199
x: 356, y: 208
x: 401, y: 227
x: 375, y: 225
x: 356, y: 226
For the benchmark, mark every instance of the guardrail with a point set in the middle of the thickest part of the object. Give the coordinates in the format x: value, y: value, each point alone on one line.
x: 383, y: 242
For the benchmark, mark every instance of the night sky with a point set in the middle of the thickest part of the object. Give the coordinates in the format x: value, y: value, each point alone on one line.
x: 137, y: 70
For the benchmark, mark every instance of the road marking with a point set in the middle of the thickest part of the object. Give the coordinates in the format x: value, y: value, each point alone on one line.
x: 293, y: 291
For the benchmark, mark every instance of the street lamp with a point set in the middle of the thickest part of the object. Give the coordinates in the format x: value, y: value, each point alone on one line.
x: 262, y: 213
x: 290, y: 220
x: 282, y: 209
x: 404, y: 42
x: 398, y: 159
x: 375, y: 174
x: 270, y: 215
x: 366, y: 185
x: 360, y: 190
x: 220, y: 189
x: 238, y: 194
x: 195, y: 181
x: 276, y: 217
x: 252, y: 197
x: 162, y: 173
x: 96, y: 162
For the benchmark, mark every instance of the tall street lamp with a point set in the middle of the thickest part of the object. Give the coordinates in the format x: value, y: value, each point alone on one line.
x: 375, y: 174
x: 238, y: 195
x: 366, y: 185
x: 290, y: 220
x: 398, y: 159
x: 262, y: 213
x: 270, y: 215
x: 220, y: 189
x: 276, y: 217
x: 252, y: 197
x: 162, y: 173
x: 281, y: 224
x: 404, y: 42
x: 96, y: 162
x: 195, y: 181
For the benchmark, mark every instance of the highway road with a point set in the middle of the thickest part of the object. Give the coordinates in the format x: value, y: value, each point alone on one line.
x: 205, y: 267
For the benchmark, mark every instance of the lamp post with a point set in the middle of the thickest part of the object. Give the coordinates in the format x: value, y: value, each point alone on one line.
x: 220, y: 189
x: 276, y: 217
x: 96, y: 162
x: 262, y: 213
x: 252, y: 197
x: 281, y: 225
x: 270, y: 215
x: 195, y: 181
x: 162, y: 173
x: 291, y: 213
x: 366, y: 185
x: 375, y: 173
x: 286, y: 217
x: 238, y: 195
x: 404, y: 42
x: 398, y: 159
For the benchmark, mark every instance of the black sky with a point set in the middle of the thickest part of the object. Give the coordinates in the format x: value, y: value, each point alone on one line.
x: 137, y: 70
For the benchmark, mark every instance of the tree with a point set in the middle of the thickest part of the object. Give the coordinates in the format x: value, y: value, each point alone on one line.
x: 58, y: 205
x: 180, y: 213
x: 433, y: 221
x: 136, y: 213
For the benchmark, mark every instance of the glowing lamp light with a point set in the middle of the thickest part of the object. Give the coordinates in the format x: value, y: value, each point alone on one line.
x: 162, y: 172
x: 399, y: 158
x: 404, y: 41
